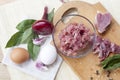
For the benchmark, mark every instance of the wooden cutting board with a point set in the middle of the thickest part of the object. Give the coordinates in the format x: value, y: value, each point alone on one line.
x: 86, y: 67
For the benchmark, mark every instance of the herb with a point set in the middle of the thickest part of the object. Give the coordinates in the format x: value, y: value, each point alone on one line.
x: 33, y: 50
x: 111, y: 63
x: 50, y: 15
x: 26, y: 35
x: 25, y: 24
x: 14, y: 40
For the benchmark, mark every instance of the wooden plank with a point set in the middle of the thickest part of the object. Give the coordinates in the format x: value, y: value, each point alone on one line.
x: 86, y: 67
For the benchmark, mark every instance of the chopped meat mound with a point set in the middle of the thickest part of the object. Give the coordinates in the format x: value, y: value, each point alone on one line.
x: 104, y: 47
x: 73, y: 38
x: 103, y: 21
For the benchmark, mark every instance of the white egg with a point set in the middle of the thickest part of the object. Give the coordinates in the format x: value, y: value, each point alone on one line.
x: 48, y: 55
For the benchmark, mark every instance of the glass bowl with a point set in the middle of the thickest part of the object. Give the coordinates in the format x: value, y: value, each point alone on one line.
x: 62, y: 25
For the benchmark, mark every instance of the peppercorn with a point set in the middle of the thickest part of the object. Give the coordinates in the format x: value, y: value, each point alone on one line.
x: 108, y: 73
x: 97, y: 72
x: 91, y: 78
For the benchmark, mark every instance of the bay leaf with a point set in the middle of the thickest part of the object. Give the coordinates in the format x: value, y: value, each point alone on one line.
x: 33, y: 50
x: 30, y: 48
x: 50, y: 15
x: 26, y: 35
x: 14, y: 40
x: 36, y: 50
x: 25, y: 24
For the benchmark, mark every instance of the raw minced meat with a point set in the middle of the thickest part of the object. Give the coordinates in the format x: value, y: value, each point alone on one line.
x: 73, y: 38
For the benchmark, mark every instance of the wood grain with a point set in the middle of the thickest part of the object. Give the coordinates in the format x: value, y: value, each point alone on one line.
x: 86, y: 67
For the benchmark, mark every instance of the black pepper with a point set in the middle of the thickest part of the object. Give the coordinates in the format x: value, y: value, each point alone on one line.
x: 91, y: 78
x: 97, y: 72
x: 108, y: 73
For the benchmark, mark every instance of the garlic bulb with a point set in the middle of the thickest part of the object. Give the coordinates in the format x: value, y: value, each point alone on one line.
x: 48, y: 55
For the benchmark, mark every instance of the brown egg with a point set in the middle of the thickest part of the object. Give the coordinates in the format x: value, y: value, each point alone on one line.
x: 19, y: 55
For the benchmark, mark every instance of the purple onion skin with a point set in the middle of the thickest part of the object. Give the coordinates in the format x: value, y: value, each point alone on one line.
x: 45, y: 15
x: 41, y: 66
x: 42, y: 27
x: 39, y: 41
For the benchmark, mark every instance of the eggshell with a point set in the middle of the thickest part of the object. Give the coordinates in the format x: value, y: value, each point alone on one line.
x: 48, y: 55
x: 19, y: 55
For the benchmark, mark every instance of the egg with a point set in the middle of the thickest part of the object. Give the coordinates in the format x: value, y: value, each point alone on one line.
x: 19, y: 55
x: 48, y: 55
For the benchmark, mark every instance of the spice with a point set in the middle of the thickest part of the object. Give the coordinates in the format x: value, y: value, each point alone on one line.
x: 108, y: 73
x: 97, y: 72
x: 91, y: 78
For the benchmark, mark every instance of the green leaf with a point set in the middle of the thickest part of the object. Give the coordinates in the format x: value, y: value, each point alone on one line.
x: 50, y: 15
x: 30, y: 48
x: 115, y: 66
x: 26, y: 35
x: 25, y: 24
x: 14, y: 40
x: 33, y: 50
x: 36, y: 50
x: 19, y: 39
x: 111, y: 63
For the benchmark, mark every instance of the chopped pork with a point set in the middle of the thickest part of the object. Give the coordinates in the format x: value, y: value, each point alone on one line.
x: 104, y: 47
